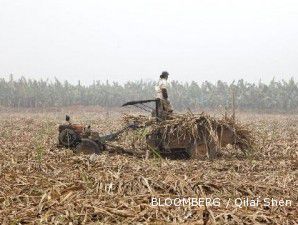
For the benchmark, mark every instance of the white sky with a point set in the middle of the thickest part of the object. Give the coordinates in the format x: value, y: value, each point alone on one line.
x: 137, y: 39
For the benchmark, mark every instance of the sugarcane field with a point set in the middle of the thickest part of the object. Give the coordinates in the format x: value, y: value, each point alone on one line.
x: 148, y: 112
x: 251, y: 180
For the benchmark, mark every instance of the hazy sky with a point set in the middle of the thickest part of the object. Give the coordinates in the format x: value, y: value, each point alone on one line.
x: 137, y: 39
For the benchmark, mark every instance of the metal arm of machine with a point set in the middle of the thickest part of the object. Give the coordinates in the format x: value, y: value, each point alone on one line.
x: 157, y: 102
x: 139, y: 102
x: 113, y: 136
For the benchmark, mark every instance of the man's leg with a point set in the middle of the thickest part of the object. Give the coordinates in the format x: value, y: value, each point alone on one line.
x: 167, y: 106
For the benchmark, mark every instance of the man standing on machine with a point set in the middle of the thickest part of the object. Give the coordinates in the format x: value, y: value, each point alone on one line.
x: 164, y: 106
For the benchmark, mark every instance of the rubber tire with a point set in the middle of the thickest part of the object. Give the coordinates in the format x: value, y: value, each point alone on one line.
x: 87, y: 147
x: 68, y: 138
x: 197, y: 151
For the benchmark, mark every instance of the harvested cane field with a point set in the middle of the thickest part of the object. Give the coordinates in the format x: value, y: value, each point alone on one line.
x: 41, y: 184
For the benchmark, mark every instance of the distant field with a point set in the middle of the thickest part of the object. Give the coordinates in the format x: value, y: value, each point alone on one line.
x: 42, y: 184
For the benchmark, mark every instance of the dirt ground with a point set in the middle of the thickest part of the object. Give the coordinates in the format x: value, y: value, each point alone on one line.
x: 41, y: 184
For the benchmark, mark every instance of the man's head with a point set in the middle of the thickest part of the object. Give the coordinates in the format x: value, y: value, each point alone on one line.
x: 164, y: 75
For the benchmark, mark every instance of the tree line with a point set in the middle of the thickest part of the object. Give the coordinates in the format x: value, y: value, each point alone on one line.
x: 275, y: 96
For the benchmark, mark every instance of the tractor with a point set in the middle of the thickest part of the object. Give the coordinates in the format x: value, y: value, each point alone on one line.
x: 211, y: 134
x: 82, y: 139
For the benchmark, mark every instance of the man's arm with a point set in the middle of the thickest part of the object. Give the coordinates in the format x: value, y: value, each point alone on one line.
x: 164, y: 93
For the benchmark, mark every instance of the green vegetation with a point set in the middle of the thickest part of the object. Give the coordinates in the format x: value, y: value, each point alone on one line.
x: 275, y: 96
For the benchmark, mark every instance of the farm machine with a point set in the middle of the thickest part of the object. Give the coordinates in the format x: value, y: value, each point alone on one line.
x: 82, y: 139
x: 197, y: 135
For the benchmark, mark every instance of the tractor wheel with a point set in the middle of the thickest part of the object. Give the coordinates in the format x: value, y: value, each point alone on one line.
x: 197, y: 151
x: 212, y: 150
x: 68, y: 138
x: 88, y: 146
